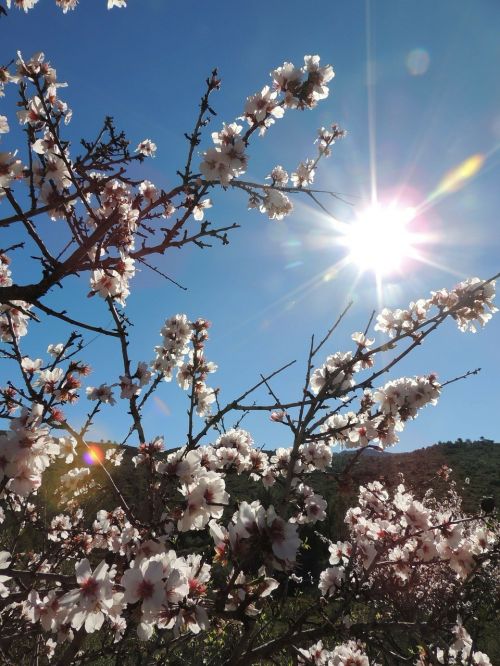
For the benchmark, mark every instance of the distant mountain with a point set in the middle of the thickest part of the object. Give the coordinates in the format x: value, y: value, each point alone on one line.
x: 475, y: 468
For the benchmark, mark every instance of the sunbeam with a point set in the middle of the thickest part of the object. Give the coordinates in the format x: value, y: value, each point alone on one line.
x: 370, y: 89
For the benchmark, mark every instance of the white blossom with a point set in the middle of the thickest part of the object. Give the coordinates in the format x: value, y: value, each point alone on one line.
x: 146, y: 147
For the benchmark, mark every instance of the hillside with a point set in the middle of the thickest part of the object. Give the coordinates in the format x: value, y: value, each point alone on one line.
x: 475, y: 468
x: 478, y: 462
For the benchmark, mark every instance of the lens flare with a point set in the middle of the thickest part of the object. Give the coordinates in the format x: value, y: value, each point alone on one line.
x: 93, y: 455
x: 418, y: 61
x: 457, y: 177
x: 161, y: 405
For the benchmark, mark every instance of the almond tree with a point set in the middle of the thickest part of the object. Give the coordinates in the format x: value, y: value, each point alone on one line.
x: 197, y: 571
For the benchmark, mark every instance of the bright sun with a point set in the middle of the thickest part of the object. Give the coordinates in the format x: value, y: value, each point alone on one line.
x: 379, y: 239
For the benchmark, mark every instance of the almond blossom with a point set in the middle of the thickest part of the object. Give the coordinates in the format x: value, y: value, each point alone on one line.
x: 103, y: 393
x: 146, y: 147
x: 262, y: 109
x: 278, y: 176
x: 276, y: 205
x: 205, y: 499
x: 304, y: 174
x: 143, y: 582
x: 47, y: 611
x: 89, y: 604
x: 4, y: 564
x: 350, y: 653
x: 11, y: 169
x: 4, y: 125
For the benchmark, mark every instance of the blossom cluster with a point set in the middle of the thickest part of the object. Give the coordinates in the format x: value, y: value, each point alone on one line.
x: 202, y: 472
x: 105, y: 211
x: 178, y: 333
x: 167, y: 588
x: 28, y: 447
x: 470, y: 303
x: 53, y: 177
x: 14, y: 318
x: 170, y: 590
x: 11, y: 169
x: 390, y: 533
x: 65, y: 5
x: 274, y: 202
x: 292, y: 88
x: 348, y: 653
x: 26, y: 450
x: 396, y: 536
x: 461, y: 651
x: 60, y: 184
x: 384, y: 411
x: 130, y: 386
x: 256, y: 534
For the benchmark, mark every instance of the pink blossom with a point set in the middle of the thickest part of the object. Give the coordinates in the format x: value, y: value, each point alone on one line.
x: 144, y: 582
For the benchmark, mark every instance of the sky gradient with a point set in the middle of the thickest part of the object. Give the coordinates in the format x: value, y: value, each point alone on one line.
x: 416, y: 88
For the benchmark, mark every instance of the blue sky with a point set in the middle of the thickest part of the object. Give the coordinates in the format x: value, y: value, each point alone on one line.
x: 434, y: 103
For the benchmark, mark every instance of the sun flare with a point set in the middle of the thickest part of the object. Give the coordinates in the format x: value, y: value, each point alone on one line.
x: 379, y: 240
x: 93, y: 455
